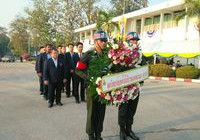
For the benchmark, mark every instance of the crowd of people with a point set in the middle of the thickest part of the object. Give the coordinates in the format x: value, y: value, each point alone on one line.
x: 57, y: 69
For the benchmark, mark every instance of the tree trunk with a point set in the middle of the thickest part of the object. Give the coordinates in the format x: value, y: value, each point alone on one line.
x: 199, y: 49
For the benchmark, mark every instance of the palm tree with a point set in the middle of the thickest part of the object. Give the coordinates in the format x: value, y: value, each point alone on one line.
x: 192, y: 10
x: 104, y: 22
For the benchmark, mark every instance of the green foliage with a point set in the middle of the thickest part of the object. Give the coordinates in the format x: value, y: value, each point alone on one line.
x: 98, y: 67
x: 19, y: 36
x: 130, y: 5
x: 161, y: 70
x: 104, y: 22
x: 193, y: 10
x: 4, y: 41
x: 189, y: 72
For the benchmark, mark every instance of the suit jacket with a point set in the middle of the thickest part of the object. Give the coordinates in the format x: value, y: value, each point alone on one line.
x: 41, y: 61
x: 37, y: 63
x: 71, y: 61
x: 52, y: 73
x: 62, y: 57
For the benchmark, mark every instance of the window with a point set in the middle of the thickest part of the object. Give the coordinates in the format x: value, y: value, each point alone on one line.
x: 167, y: 17
x: 148, y: 21
x: 156, y: 19
x: 138, y: 26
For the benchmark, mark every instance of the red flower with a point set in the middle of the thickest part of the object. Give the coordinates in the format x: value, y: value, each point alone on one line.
x: 102, y: 95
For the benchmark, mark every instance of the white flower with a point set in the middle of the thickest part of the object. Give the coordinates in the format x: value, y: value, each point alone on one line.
x: 114, y: 57
x: 113, y: 93
x: 122, y: 57
x: 98, y: 80
x: 107, y: 97
x: 118, y: 92
x: 115, y: 62
x: 122, y: 63
x: 109, y: 55
x: 126, y: 44
x: 115, y: 46
x: 134, y: 46
x: 98, y: 91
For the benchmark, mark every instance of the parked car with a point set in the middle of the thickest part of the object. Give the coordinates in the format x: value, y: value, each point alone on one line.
x: 8, y: 58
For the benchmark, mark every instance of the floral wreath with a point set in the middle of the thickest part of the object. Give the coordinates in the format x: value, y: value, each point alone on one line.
x: 118, y: 57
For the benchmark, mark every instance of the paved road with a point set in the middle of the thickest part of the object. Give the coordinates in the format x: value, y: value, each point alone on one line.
x: 166, y: 111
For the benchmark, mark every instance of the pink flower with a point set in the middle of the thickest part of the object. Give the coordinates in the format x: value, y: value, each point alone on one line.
x: 119, y: 97
x: 102, y: 95
x: 125, y: 97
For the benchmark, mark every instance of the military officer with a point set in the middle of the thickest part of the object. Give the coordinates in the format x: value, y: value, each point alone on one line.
x: 95, y: 110
x: 127, y: 110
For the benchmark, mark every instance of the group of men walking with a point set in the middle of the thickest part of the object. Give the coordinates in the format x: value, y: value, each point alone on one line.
x: 56, y: 71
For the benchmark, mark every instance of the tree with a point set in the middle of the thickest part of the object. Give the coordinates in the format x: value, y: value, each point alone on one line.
x: 192, y: 10
x: 129, y: 5
x: 104, y: 22
x: 19, y: 36
x: 4, y: 41
x: 88, y: 11
x: 38, y: 22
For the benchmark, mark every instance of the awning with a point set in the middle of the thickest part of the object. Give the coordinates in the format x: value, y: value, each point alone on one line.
x: 186, y: 49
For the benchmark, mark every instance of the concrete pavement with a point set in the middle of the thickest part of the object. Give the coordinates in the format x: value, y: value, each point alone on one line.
x: 166, y: 111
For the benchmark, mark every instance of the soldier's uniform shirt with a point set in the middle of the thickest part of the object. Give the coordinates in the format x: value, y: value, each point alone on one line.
x: 95, y: 110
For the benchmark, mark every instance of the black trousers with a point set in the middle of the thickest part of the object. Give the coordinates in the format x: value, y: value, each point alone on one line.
x: 127, y: 112
x: 54, y: 92
x: 45, y: 90
x: 95, y: 116
x: 70, y: 78
x: 79, y: 81
x: 41, y: 84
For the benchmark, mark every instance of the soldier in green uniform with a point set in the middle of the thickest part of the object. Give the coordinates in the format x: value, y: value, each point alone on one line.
x: 95, y: 110
x: 127, y: 110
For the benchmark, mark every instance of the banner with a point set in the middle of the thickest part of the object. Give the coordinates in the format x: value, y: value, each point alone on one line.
x: 123, y: 79
x: 122, y: 25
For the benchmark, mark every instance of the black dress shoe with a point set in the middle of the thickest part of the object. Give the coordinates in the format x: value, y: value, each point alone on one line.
x: 50, y: 105
x: 91, y: 137
x: 132, y: 135
x: 59, y: 104
x: 123, y: 136
x: 45, y: 97
x: 77, y: 101
x: 83, y: 100
x: 67, y: 95
x: 41, y: 93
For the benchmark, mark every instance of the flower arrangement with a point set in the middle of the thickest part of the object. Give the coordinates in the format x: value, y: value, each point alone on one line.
x: 122, y: 57
x: 119, y: 96
x: 124, y: 54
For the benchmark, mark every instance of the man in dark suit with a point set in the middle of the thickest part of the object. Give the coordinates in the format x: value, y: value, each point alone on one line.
x: 70, y: 64
x: 54, y: 77
x: 61, y: 56
x: 41, y: 61
x: 42, y: 50
x: 77, y: 79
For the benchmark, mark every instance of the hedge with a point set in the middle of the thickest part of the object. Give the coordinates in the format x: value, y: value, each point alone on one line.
x: 189, y: 72
x: 161, y: 70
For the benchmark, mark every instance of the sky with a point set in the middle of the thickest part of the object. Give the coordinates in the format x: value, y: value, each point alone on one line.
x: 9, y: 9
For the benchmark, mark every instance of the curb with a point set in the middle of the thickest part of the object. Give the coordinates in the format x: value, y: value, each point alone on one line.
x: 175, y: 79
